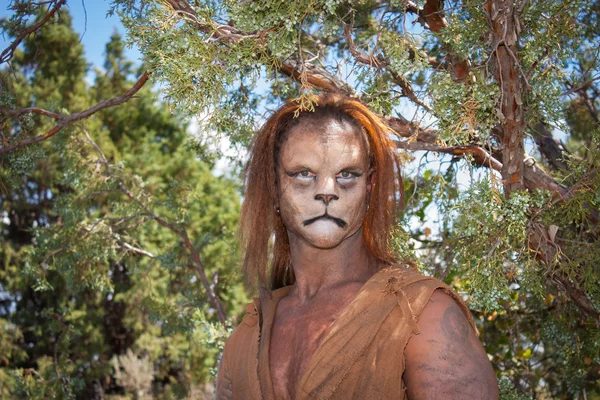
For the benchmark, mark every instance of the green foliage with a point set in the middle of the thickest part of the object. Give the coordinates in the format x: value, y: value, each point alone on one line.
x: 376, y: 92
x: 400, y: 243
x: 575, y: 218
x: 405, y: 56
x: 89, y: 274
x: 464, y: 112
x: 466, y: 31
x: 490, y: 240
x: 508, y: 391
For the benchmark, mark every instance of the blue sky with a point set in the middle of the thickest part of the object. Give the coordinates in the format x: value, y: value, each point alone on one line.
x: 95, y: 32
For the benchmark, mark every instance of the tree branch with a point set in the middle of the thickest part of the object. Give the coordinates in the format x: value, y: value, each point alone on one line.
x: 8, y: 53
x: 480, y: 156
x: 133, y: 248
x: 181, y: 232
x: 533, y: 177
x: 589, y: 104
x: 17, y: 113
x: 64, y: 120
x: 317, y: 77
x: 196, y: 261
x: 538, y: 238
x: 314, y: 75
x: 407, y: 129
x: 380, y: 62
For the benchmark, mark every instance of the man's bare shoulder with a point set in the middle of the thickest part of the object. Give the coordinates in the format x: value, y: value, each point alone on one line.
x: 446, y: 360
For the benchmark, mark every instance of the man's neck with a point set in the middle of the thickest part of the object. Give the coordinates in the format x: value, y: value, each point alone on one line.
x: 319, y: 269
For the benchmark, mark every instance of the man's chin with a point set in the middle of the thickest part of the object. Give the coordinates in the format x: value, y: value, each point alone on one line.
x: 324, y: 244
x: 324, y: 235
x: 328, y: 241
x: 321, y: 239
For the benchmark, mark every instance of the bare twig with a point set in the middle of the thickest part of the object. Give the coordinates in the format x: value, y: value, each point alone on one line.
x: 589, y: 105
x: 316, y: 77
x: 133, y: 248
x: 17, y: 113
x: 580, y: 86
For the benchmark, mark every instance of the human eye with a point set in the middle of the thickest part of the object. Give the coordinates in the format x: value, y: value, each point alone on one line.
x: 304, y: 175
x: 347, y: 175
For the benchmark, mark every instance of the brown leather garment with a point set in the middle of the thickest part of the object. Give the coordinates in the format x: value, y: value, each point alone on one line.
x: 362, y: 354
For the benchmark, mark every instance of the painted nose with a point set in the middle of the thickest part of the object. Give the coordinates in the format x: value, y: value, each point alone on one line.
x: 326, y: 198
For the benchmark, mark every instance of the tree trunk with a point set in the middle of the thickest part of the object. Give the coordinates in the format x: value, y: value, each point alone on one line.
x: 504, y: 34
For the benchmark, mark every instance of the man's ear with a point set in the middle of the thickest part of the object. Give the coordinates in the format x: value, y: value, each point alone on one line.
x: 370, y: 180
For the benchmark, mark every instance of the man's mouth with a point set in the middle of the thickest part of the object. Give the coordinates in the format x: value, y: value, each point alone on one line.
x: 339, y: 222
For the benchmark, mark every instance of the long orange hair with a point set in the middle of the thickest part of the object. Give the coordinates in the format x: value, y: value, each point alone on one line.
x: 264, y: 240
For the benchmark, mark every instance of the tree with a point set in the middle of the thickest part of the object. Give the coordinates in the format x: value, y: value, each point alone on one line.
x: 476, y: 95
x: 98, y: 298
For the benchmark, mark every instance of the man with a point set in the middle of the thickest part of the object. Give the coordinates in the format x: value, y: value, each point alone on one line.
x: 337, y: 317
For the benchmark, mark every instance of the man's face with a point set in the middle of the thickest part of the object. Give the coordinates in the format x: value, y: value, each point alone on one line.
x: 324, y: 182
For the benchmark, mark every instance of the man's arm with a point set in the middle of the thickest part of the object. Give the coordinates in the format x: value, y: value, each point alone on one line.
x: 446, y: 360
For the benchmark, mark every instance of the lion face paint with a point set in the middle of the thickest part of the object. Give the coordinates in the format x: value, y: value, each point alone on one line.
x: 323, y: 172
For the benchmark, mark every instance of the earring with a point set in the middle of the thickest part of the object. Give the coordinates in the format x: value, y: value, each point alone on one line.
x: 276, y: 209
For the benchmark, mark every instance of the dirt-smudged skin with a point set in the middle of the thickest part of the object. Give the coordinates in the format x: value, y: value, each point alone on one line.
x: 447, y: 361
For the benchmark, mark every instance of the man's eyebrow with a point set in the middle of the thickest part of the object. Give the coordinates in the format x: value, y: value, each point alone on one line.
x: 351, y: 165
x: 296, y: 166
x: 354, y: 165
